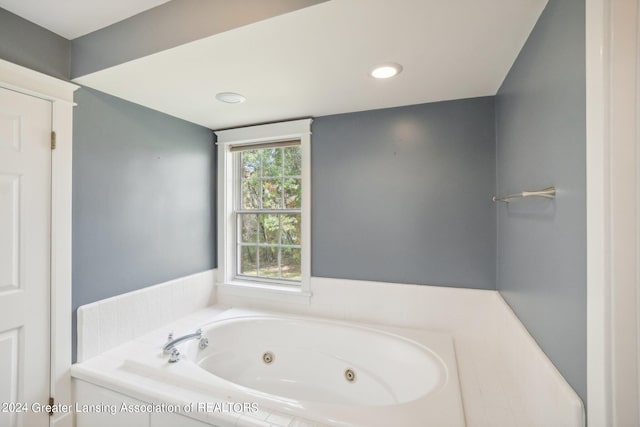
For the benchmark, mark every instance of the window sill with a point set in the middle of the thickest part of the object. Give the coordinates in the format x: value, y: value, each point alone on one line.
x: 279, y: 293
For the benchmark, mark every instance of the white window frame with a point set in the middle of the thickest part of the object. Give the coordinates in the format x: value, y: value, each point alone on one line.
x: 228, y: 282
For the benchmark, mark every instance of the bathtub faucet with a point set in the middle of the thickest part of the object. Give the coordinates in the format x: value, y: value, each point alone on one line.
x: 169, y: 347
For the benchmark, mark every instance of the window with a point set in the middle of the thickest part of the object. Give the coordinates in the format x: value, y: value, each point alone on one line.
x: 268, y: 212
x: 264, y: 233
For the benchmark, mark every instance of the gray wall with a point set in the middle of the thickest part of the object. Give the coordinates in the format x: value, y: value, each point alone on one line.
x: 169, y: 25
x: 541, y: 262
x: 27, y: 44
x: 143, y: 198
x: 404, y: 194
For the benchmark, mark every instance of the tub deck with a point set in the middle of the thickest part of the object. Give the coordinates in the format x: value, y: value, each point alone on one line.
x: 140, y: 370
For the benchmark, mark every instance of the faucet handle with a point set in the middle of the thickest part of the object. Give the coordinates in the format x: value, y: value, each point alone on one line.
x: 170, y: 337
x: 175, y: 356
x: 204, y: 343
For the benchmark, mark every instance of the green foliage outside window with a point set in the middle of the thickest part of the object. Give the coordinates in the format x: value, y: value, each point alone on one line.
x: 270, y: 244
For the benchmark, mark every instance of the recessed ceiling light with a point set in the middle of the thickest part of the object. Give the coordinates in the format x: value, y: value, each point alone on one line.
x: 386, y: 71
x: 230, y: 97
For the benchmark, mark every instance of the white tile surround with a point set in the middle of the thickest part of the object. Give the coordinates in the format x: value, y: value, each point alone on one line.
x: 110, y: 322
x: 506, y: 379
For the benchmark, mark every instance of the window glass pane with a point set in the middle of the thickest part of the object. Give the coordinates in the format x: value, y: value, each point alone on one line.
x: 290, y: 229
x: 291, y: 264
x: 269, y: 229
x: 269, y: 266
x: 248, y: 261
x: 251, y: 163
x: 292, y: 193
x: 249, y: 228
x: 269, y: 178
x: 292, y: 161
x: 251, y: 194
x: 271, y: 194
x: 272, y: 162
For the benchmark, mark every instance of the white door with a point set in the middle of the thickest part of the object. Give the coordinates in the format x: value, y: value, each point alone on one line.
x: 25, y: 228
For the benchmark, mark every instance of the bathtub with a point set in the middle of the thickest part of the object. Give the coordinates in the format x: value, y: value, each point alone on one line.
x: 120, y: 356
x: 335, y: 373
x: 299, y: 370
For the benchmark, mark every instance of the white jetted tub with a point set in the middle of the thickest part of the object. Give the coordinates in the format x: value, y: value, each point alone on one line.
x: 335, y: 373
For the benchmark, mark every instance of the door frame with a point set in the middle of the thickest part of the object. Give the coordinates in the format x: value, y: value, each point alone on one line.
x: 60, y: 94
x: 613, y: 208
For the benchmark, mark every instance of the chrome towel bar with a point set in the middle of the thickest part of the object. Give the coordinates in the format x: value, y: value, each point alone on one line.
x: 547, y: 193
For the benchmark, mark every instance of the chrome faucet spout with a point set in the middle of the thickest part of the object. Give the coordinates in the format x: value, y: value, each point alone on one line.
x: 170, y: 345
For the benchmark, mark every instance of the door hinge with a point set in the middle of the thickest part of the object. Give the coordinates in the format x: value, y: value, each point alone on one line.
x: 51, y: 401
x: 53, y: 140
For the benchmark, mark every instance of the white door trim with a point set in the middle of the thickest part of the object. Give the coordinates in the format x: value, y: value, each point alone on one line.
x: 613, y: 201
x: 60, y: 93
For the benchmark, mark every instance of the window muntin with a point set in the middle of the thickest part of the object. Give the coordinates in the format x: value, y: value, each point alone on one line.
x: 268, y: 211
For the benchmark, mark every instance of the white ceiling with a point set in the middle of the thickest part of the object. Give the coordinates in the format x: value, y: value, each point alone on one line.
x: 316, y: 61
x: 311, y: 62
x: 75, y: 18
